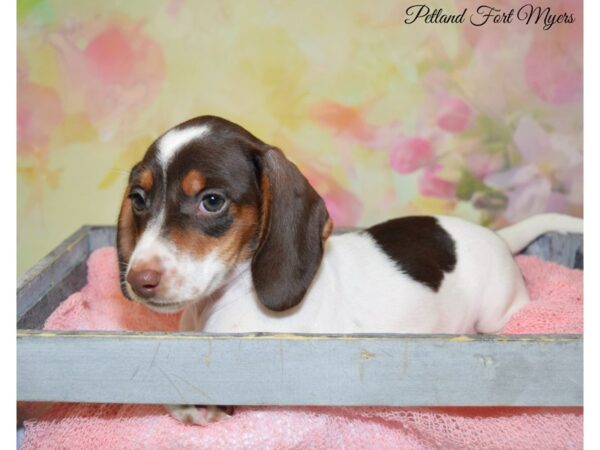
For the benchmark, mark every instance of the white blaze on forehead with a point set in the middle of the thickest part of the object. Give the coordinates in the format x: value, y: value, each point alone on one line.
x: 168, y: 145
x: 174, y: 140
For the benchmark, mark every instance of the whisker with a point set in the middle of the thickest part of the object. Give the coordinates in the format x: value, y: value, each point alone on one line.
x: 119, y: 171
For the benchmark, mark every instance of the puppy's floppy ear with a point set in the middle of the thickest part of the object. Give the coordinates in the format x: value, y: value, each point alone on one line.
x: 294, y: 224
x: 126, y: 234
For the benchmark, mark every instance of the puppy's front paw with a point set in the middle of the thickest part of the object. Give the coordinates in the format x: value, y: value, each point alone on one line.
x: 198, y: 414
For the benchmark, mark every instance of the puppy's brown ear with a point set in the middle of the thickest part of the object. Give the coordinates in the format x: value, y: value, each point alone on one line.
x: 294, y: 224
x: 126, y: 234
x: 126, y: 237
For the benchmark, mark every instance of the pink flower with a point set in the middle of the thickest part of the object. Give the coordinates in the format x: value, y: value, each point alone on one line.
x: 39, y: 113
x: 482, y: 164
x: 343, y: 206
x: 431, y: 185
x: 410, y: 154
x: 554, y: 61
x: 454, y: 115
x: 554, y: 76
x: 116, y: 70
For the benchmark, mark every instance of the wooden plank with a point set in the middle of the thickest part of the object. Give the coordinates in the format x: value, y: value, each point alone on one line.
x: 61, y: 273
x: 101, y: 236
x: 51, y: 270
x: 73, y: 281
x: 556, y: 247
x: 266, y: 369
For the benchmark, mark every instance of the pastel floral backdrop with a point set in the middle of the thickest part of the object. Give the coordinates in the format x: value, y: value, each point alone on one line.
x: 384, y: 118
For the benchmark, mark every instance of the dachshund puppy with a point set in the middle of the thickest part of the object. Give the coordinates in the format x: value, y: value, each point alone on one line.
x: 219, y: 224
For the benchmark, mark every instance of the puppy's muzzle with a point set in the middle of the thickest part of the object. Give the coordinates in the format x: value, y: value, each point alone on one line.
x: 144, y: 282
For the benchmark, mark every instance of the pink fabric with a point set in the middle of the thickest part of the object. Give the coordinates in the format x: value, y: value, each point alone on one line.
x: 556, y: 307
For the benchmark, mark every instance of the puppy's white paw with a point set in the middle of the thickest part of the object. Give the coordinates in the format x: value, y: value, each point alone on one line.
x: 198, y: 414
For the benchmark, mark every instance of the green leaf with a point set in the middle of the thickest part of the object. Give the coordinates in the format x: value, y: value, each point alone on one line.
x: 468, y: 185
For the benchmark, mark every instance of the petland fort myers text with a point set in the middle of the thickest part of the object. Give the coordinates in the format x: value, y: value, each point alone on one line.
x: 486, y: 14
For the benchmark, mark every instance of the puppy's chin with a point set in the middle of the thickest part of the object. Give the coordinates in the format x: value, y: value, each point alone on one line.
x: 164, y: 307
x: 157, y: 304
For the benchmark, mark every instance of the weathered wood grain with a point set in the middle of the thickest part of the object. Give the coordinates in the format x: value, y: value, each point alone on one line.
x: 51, y: 270
x: 394, y: 370
x: 61, y: 273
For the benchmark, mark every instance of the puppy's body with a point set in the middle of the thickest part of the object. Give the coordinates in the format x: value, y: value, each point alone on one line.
x: 360, y: 289
x: 222, y: 226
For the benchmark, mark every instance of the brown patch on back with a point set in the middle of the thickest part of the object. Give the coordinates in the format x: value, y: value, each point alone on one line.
x: 193, y: 183
x: 146, y: 180
x: 419, y: 246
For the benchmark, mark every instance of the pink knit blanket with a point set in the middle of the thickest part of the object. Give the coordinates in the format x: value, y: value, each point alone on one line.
x: 556, y: 307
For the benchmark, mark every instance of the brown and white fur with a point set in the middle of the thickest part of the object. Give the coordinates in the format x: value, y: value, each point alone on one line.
x: 219, y: 224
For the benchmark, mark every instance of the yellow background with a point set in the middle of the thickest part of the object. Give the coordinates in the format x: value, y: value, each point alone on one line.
x: 384, y: 118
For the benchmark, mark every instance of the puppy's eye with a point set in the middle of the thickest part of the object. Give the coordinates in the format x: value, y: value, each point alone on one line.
x: 212, y: 203
x: 138, y: 199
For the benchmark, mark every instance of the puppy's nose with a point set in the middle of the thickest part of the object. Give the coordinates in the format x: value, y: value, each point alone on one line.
x: 144, y: 282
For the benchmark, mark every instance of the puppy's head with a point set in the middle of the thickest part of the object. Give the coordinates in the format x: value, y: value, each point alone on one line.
x: 208, y: 199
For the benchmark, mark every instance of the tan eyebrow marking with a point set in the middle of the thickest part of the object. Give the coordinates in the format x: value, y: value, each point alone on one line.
x: 146, y: 180
x: 193, y: 183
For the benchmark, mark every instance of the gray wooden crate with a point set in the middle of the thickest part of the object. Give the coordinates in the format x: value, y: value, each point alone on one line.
x: 274, y: 369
